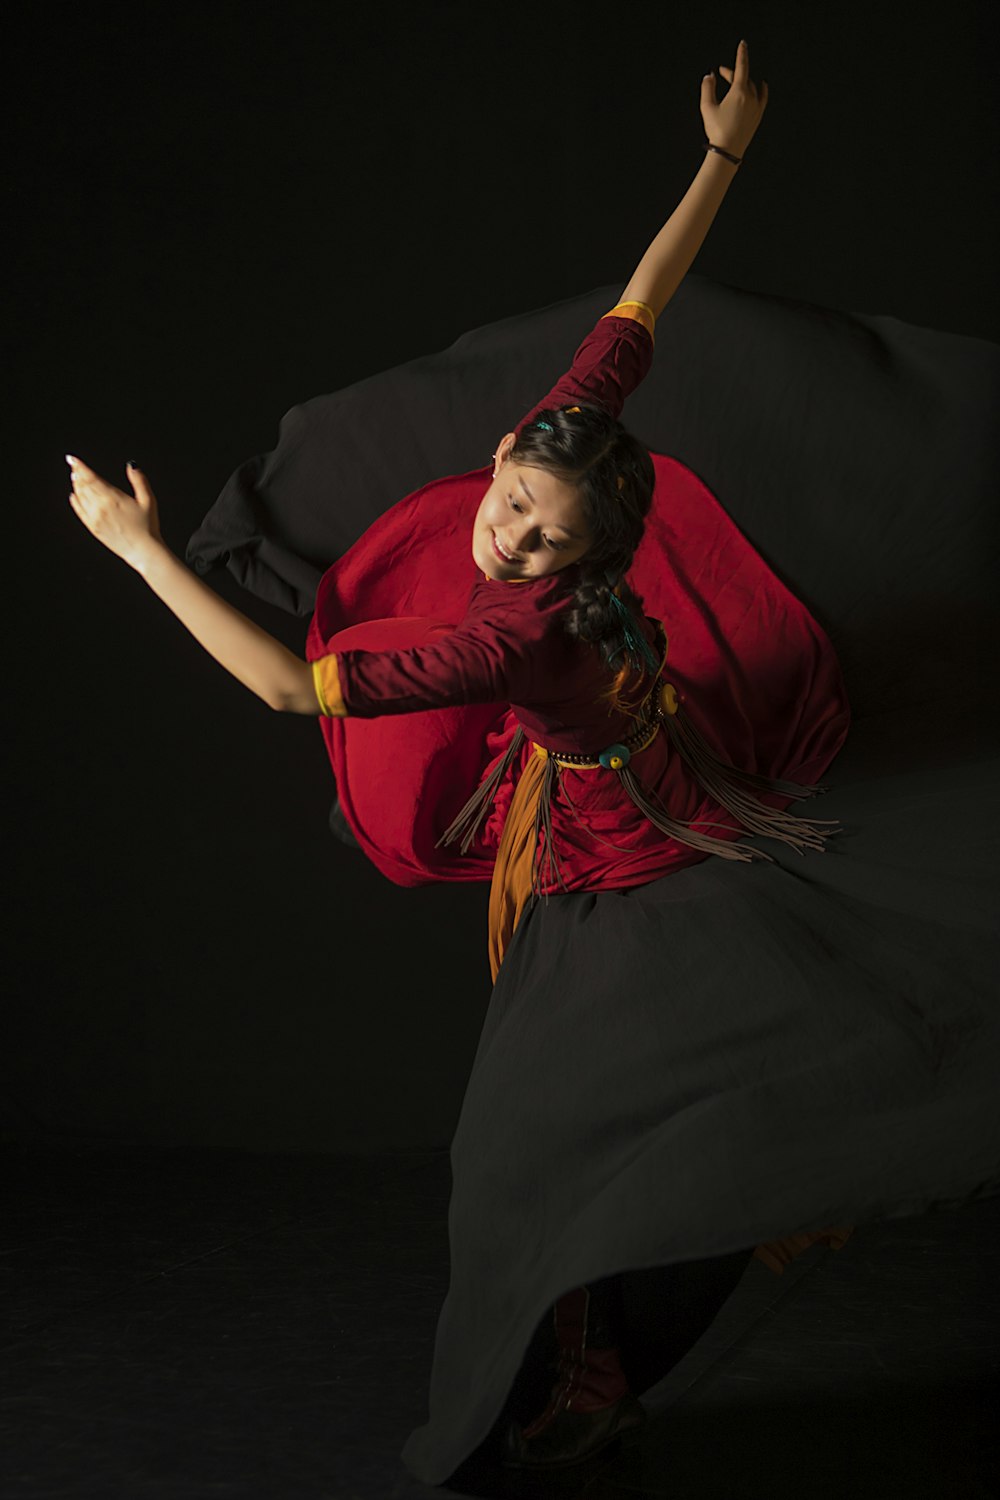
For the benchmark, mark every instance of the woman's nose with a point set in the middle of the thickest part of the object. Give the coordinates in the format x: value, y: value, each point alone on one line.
x: 525, y: 537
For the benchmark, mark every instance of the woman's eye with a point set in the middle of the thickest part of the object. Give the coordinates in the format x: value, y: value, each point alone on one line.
x: 556, y: 546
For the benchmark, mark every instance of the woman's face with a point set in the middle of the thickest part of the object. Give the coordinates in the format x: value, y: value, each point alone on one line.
x: 529, y: 523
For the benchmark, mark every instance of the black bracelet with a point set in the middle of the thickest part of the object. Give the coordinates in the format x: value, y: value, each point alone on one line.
x: 727, y: 154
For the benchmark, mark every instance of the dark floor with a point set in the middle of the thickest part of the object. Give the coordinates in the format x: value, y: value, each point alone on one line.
x: 185, y: 1325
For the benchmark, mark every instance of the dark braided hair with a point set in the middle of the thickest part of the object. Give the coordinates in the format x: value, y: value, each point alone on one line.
x: 613, y: 472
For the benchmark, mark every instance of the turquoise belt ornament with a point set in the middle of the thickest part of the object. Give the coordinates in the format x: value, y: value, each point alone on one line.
x: 615, y: 757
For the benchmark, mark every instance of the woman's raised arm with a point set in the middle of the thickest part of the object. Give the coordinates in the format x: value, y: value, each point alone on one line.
x: 730, y: 125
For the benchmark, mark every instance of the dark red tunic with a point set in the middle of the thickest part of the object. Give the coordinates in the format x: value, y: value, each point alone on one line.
x: 438, y: 666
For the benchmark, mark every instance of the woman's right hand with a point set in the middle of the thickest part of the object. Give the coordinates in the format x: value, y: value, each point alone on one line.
x: 128, y: 525
x: 732, y: 123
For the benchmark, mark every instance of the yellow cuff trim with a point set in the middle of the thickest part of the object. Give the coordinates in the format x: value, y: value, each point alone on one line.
x: 640, y: 311
x: 326, y: 681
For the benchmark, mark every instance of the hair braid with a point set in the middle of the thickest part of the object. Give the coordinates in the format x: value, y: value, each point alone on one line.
x: 614, y: 473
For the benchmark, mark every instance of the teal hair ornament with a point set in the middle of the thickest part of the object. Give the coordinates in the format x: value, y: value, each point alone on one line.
x: 636, y: 645
x: 547, y: 425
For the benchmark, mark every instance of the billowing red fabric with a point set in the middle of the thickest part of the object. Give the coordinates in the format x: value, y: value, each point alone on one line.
x: 756, y: 672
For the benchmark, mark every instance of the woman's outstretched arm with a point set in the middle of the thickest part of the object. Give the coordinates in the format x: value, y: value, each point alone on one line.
x: 129, y: 526
x: 730, y: 125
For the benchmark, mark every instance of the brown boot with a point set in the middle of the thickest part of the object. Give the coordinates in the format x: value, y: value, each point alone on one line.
x: 591, y: 1404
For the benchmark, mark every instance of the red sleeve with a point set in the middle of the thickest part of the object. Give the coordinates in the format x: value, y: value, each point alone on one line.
x: 611, y: 362
x: 475, y: 663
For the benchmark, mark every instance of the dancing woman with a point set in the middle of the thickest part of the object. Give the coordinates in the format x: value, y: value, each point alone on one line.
x: 579, y: 678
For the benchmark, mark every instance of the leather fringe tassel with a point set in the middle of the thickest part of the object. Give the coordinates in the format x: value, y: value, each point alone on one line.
x: 466, y: 824
x: 727, y: 785
x: 660, y: 818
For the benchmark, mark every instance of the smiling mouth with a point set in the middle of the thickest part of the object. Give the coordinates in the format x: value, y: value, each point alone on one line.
x: 504, y: 556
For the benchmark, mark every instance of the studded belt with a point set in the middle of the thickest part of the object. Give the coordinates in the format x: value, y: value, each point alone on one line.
x: 617, y: 756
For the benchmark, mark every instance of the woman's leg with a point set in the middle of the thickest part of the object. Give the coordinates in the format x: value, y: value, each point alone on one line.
x: 604, y: 1342
x: 589, y: 1405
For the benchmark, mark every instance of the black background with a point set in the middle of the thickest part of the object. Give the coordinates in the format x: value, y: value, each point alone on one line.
x: 219, y: 211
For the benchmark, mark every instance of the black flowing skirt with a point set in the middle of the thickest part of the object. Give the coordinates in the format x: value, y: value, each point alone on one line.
x: 736, y: 1052
x: 725, y: 1056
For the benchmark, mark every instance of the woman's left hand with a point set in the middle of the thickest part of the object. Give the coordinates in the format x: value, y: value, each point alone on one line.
x: 127, y: 524
x: 733, y: 123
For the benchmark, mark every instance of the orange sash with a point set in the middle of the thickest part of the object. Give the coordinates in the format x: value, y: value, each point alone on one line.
x: 510, y: 888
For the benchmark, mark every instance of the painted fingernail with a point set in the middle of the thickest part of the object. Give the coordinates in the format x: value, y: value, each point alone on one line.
x: 132, y: 464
